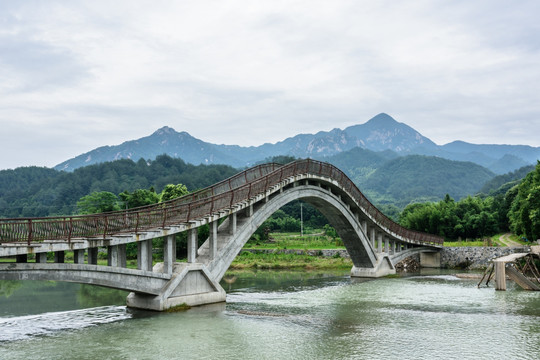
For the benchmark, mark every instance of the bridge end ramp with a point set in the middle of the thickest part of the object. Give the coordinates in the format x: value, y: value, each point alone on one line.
x: 383, y: 267
x: 191, y: 284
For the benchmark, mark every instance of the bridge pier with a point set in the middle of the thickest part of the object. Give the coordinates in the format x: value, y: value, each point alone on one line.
x: 430, y: 259
x: 383, y: 267
x: 59, y: 257
x: 41, y: 257
x: 190, y: 284
x: 192, y: 245
x: 169, y: 254
x: 144, y: 255
x: 78, y: 256
x: 92, y: 256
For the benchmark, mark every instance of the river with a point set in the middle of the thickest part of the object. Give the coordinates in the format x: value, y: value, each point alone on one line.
x: 278, y: 315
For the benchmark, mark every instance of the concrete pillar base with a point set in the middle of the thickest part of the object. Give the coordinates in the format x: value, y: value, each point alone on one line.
x: 384, y: 267
x: 191, y: 284
x: 430, y: 259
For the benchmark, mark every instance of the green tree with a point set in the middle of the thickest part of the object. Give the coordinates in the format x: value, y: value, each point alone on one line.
x: 524, y: 212
x: 172, y: 192
x: 98, y: 202
x: 140, y: 197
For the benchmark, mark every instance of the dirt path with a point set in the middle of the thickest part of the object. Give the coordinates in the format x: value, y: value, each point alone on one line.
x: 505, y: 239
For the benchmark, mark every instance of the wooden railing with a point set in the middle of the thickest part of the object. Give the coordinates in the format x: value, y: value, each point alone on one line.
x: 240, y: 187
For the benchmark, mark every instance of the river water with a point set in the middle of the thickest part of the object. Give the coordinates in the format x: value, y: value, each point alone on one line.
x: 278, y: 315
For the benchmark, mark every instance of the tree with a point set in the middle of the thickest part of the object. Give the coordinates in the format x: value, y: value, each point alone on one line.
x: 524, y: 212
x: 140, y: 197
x: 172, y: 192
x: 98, y: 202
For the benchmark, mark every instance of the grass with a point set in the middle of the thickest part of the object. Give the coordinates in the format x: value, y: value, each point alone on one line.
x: 315, y: 241
x: 247, y: 260
x: 464, y: 243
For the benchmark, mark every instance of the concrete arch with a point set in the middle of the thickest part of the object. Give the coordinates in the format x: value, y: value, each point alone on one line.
x: 331, y: 205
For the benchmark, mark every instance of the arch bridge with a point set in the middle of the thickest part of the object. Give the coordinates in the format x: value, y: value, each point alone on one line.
x: 233, y: 209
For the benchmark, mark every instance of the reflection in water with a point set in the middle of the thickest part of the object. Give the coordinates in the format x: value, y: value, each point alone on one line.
x: 284, y: 315
x: 93, y: 296
x: 7, y: 287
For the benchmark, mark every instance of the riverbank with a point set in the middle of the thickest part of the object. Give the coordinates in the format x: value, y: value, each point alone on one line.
x: 292, y: 259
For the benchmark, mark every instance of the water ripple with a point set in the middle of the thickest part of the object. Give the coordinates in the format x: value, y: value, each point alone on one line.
x: 25, y: 327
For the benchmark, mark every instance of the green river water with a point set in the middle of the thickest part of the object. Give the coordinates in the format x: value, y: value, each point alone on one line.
x: 278, y: 315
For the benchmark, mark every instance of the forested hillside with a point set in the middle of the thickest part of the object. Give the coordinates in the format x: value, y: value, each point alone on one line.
x: 517, y: 210
x: 41, y: 192
x: 417, y: 178
x: 502, y: 183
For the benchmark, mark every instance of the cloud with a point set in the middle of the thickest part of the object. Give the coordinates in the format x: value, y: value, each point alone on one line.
x: 78, y: 75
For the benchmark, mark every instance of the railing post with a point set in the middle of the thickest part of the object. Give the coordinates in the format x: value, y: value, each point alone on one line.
x: 106, y: 221
x: 29, y: 231
x: 70, y: 228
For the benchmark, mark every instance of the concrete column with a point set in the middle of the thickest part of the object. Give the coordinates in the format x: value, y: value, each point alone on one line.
x: 112, y: 256
x: 192, y: 245
x: 23, y: 258
x: 59, y: 257
x: 169, y: 254
x: 92, y: 256
x: 379, y: 243
x: 386, y: 245
x: 122, y: 255
x: 373, y: 238
x: 232, y: 223
x: 41, y: 257
x: 393, y: 247
x: 249, y: 210
x: 405, y: 246
x: 430, y: 260
x: 363, y: 224
x: 78, y: 256
x: 213, y: 240
x: 144, y: 255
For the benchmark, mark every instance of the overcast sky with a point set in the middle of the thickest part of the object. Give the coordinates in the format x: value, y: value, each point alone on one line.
x: 76, y: 75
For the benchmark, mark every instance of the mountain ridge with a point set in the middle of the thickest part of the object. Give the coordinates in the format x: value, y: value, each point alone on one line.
x: 380, y: 133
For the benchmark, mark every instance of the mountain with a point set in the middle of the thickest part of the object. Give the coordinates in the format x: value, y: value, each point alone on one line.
x: 501, y: 183
x: 380, y: 133
x: 416, y: 178
x: 359, y: 163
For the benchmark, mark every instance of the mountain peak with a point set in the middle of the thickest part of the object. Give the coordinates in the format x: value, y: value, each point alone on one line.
x: 164, y: 130
x: 382, y: 119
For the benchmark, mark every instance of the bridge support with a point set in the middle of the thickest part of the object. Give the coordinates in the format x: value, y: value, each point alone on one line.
x: 430, y: 259
x: 383, y: 267
x: 190, y: 284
